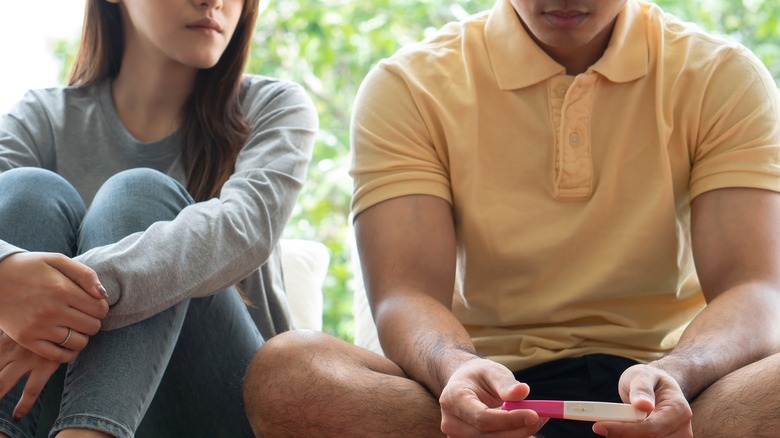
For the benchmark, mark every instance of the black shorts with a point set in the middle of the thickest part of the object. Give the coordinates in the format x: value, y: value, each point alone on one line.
x: 590, y: 378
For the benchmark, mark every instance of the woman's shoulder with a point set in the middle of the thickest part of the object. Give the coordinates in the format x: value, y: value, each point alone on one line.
x: 262, y: 94
x: 56, y: 99
x: 259, y: 87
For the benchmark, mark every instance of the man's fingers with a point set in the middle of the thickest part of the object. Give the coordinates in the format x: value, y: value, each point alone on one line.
x: 640, y: 388
x: 511, y: 425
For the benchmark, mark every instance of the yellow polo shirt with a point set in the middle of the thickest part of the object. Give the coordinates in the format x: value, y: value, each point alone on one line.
x: 570, y: 194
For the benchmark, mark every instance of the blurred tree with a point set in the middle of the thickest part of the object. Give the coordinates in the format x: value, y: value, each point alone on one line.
x: 754, y: 23
x: 329, y: 45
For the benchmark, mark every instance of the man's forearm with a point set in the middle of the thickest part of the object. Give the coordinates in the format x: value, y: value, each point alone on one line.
x: 739, y: 327
x: 433, y: 346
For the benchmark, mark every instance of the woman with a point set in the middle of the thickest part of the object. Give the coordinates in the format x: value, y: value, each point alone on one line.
x: 154, y: 184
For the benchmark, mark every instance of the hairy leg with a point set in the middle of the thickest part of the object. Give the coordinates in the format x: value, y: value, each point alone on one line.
x: 742, y: 404
x: 304, y: 383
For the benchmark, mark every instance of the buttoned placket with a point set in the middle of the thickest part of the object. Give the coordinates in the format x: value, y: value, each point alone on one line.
x: 570, y: 107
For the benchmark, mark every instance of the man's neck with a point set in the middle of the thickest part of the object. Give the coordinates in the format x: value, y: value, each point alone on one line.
x: 577, y: 60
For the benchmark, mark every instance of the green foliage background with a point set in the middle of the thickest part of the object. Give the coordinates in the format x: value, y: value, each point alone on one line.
x: 329, y: 46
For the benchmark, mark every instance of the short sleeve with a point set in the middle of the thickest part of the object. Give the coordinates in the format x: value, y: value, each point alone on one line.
x: 739, y: 132
x: 393, y: 154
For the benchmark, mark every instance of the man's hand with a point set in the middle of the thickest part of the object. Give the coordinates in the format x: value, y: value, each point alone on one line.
x: 651, y: 390
x: 17, y: 362
x: 470, y: 397
x: 42, y: 295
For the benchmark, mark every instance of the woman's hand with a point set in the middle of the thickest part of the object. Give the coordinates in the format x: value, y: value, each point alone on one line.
x: 473, y: 392
x: 651, y: 390
x: 46, y: 299
x: 17, y: 362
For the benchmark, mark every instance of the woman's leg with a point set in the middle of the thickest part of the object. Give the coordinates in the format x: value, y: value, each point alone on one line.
x: 191, y: 358
x: 111, y: 384
x: 39, y: 211
x: 200, y: 393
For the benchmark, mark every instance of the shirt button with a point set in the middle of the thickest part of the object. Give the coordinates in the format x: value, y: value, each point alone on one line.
x: 562, y: 91
x: 574, y: 139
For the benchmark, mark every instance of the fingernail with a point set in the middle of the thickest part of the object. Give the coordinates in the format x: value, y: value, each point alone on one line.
x: 102, y: 290
x: 529, y: 421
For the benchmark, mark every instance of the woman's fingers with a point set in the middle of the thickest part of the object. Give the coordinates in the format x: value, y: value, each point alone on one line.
x: 33, y: 387
x: 40, y: 298
x: 81, y: 275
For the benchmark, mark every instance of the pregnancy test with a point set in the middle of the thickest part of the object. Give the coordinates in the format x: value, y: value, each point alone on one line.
x: 579, y: 410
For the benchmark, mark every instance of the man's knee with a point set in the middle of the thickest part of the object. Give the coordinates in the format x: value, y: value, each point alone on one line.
x: 283, y: 357
x: 280, y: 376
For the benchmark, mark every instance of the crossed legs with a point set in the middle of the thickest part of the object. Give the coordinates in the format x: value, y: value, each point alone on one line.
x: 310, y: 384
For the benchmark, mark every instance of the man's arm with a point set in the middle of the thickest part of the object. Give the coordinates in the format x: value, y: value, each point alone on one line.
x: 736, y: 246
x: 407, y: 250
x: 407, y: 253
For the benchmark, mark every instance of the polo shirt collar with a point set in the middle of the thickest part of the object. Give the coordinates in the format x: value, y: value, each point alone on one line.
x: 518, y: 62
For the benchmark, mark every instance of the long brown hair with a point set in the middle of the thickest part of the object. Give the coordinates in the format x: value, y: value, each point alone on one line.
x: 213, y: 127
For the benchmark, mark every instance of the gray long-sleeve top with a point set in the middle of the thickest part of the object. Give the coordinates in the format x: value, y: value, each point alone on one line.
x: 210, y: 245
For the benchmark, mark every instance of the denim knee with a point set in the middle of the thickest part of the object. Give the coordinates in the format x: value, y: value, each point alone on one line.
x: 143, y: 187
x: 39, y: 210
x: 129, y: 202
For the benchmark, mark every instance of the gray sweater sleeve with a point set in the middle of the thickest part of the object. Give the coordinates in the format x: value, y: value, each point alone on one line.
x: 17, y: 147
x: 213, y: 244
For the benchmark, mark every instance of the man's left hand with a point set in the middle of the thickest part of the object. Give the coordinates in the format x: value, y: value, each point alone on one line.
x: 654, y: 391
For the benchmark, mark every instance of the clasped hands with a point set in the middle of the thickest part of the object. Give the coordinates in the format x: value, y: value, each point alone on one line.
x: 471, y: 401
x: 49, y: 306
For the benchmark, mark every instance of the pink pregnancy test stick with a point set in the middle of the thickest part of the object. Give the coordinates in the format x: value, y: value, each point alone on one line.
x: 579, y: 410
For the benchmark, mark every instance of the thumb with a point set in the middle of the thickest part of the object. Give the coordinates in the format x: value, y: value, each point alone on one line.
x: 641, y: 394
x: 80, y: 274
x: 512, y: 391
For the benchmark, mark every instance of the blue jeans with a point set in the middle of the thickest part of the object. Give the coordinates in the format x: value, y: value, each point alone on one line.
x: 178, y: 373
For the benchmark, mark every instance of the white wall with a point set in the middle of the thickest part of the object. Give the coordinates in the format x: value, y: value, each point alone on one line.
x: 27, y: 32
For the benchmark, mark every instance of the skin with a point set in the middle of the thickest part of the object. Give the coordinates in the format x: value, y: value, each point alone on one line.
x: 575, y: 33
x: 164, y: 49
x: 434, y: 383
x: 737, y: 253
x: 733, y: 395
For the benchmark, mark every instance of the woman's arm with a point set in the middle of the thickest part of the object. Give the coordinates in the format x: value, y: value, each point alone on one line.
x: 213, y: 244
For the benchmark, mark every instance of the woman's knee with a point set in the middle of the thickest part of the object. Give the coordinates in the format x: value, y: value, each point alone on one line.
x: 39, y: 210
x: 129, y: 202
x: 144, y: 188
x: 33, y: 187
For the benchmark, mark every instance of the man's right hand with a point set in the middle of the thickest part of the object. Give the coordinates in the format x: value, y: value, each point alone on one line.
x: 42, y: 296
x: 472, y: 395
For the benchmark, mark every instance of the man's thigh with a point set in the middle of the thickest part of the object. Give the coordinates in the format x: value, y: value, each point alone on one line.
x: 744, y: 403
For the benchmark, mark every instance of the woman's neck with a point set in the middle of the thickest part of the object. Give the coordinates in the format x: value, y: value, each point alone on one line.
x: 149, y: 97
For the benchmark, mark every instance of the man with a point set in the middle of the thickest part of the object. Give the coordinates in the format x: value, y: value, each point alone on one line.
x: 597, y: 183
